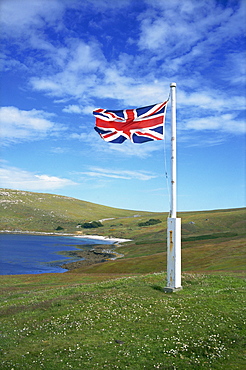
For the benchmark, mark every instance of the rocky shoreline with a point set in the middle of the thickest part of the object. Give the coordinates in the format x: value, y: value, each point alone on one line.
x: 97, y: 254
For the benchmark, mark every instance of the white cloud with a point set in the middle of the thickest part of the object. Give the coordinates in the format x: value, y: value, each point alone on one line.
x: 27, y: 13
x: 198, y: 139
x: 134, y: 150
x: 210, y: 99
x: 87, y: 75
x: 77, y: 67
x: 12, y: 177
x: 179, y: 26
x: 78, y: 109
x: 223, y: 123
x: 88, y: 109
x: 59, y: 150
x: 186, y: 33
x: 72, y: 108
x: 8, y: 64
x: 90, y: 137
x: 19, y: 125
x: 119, y: 174
x: 234, y: 62
x: 122, y: 150
x: 130, y: 91
x: 183, y: 37
x: 207, y: 109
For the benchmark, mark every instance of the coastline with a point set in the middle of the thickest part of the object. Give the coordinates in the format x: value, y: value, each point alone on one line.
x: 106, y: 238
x: 83, y: 236
x: 98, y: 253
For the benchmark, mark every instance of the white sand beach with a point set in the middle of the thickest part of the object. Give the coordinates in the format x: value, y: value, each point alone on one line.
x: 95, y: 237
x: 106, y: 238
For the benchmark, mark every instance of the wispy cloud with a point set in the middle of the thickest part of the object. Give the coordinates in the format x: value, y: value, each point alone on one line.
x: 127, y: 148
x: 76, y: 64
x: 29, y: 14
x: 59, y: 150
x: 132, y: 150
x: 172, y: 38
x: 99, y: 172
x: 184, y: 28
x: 20, y: 125
x: 225, y: 122
x: 72, y: 108
x: 12, y: 177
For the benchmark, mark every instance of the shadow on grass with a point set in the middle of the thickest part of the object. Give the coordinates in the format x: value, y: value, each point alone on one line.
x: 158, y: 287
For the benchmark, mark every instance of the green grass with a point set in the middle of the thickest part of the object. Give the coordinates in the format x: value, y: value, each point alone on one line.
x: 211, y: 240
x: 126, y: 323
x: 22, y: 210
x: 209, y: 236
x: 25, y: 210
x: 222, y: 255
x: 115, y: 315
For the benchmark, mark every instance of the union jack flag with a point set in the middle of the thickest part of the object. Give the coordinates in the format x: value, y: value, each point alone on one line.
x: 139, y: 125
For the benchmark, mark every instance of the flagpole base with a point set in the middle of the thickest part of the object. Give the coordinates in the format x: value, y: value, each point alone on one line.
x: 172, y: 290
x: 173, y: 253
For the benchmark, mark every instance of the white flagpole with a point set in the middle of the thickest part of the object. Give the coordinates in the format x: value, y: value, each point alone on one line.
x: 173, y: 223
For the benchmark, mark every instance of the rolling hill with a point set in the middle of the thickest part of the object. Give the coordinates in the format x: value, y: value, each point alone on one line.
x: 115, y: 314
x: 211, y: 240
x: 23, y: 210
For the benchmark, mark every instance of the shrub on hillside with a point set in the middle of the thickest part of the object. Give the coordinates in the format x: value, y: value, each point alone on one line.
x: 151, y: 221
x: 92, y: 225
x: 59, y: 228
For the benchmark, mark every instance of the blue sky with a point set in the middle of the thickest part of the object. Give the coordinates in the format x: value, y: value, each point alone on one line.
x: 61, y: 59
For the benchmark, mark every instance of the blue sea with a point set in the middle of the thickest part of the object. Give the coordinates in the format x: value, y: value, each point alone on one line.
x: 37, y: 254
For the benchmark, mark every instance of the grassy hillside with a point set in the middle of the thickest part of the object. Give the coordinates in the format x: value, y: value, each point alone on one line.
x: 115, y: 315
x: 211, y: 240
x: 25, y: 210
x: 127, y: 323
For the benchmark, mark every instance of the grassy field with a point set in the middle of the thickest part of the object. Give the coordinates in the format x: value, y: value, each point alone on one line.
x: 115, y: 315
x: 212, y: 241
x: 123, y: 323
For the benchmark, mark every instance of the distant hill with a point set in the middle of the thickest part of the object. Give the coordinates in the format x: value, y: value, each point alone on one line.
x: 211, y: 240
x: 30, y: 211
x: 24, y: 210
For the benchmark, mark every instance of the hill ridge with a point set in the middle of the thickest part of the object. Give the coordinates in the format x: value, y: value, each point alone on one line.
x: 211, y: 240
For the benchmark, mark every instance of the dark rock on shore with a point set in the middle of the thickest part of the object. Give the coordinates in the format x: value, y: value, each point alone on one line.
x: 89, y: 257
